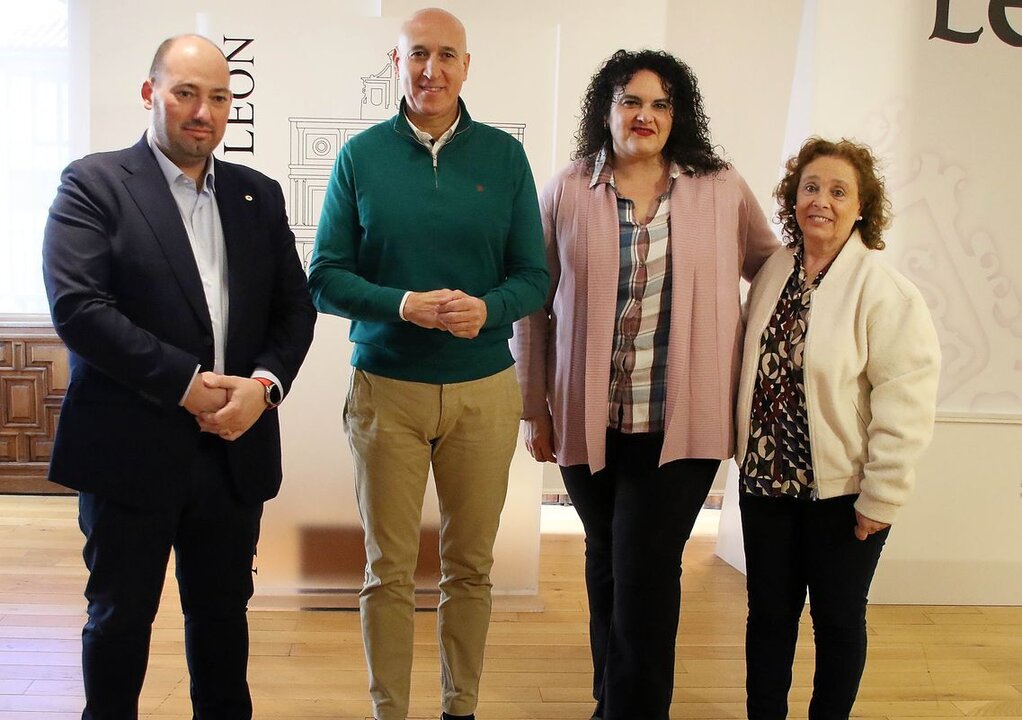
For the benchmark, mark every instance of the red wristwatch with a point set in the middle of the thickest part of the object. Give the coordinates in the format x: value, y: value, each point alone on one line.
x: 271, y: 393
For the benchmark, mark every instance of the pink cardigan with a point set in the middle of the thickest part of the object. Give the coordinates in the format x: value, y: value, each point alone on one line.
x: 718, y: 233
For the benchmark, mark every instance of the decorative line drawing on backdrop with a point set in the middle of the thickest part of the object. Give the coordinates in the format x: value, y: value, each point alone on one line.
x: 976, y: 306
x: 315, y: 143
x: 973, y: 368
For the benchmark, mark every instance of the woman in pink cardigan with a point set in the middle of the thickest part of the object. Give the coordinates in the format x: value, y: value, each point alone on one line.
x: 629, y: 372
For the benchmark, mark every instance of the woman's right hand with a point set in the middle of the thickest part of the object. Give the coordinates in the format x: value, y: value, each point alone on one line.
x: 864, y: 527
x: 539, y: 438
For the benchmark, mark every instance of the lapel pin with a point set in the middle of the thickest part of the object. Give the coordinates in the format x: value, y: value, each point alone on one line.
x: 249, y: 198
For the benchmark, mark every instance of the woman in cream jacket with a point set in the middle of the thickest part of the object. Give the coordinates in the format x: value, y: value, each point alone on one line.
x: 835, y: 405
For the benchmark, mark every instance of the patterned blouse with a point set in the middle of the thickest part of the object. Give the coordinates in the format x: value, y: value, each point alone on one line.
x: 778, y: 461
x: 638, y: 372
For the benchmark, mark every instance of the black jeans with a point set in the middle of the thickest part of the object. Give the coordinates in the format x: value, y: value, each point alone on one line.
x: 792, y: 545
x: 637, y: 519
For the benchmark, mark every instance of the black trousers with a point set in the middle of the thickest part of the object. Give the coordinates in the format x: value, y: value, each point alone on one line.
x: 637, y: 519
x: 791, y: 546
x: 126, y: 551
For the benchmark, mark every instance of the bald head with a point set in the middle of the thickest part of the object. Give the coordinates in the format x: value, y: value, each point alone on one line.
x: 192, y: 44
x: 434, y: 20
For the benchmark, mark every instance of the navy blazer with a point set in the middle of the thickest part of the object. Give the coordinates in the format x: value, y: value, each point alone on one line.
x: 127, y: 300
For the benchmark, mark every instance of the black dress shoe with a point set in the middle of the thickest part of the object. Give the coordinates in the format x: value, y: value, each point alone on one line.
x: 446, y: 716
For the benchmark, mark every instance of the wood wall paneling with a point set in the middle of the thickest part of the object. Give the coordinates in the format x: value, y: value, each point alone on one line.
x: 33, y: 381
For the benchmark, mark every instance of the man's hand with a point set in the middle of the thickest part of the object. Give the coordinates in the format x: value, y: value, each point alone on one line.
x: 864, y: 527
x: 246, y: 401
x: 463, y: 315
x: 421, y: 307
x: 539, y: 438
x: 202, y: 399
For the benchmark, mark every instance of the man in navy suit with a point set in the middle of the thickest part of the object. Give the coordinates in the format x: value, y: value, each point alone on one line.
x: 174, y: 282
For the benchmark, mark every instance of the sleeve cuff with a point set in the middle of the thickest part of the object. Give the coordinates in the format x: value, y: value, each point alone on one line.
x: 263, y: 373
x: 401, y: 307
x: 188, y: 388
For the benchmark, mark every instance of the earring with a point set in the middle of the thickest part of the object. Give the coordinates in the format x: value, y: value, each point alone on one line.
x: 858, y: 218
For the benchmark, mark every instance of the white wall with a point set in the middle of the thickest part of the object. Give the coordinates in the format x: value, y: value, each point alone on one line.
x: 943, y: 115
x: 943, y: 118
x: 958, y: 541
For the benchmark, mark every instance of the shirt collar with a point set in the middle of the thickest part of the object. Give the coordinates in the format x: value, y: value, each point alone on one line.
x: 603, y: 170
x: 426, y: 139
x: 172, y: 172
x: 799, y: 269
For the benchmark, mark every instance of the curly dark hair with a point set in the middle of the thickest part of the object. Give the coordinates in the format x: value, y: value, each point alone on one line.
x: 689, y: 141
x: 876, y: 208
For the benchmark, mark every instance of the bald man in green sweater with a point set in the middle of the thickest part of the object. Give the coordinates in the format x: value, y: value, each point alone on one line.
x: 430, y: 242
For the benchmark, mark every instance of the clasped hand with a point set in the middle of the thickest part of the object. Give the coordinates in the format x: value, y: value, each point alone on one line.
x: 226, y: 405
x: 453, y: 311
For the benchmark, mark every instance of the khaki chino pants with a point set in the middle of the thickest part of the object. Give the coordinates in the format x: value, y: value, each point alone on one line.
x: 467, y: 431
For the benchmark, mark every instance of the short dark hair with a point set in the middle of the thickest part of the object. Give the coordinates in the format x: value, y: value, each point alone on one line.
x: 876, y: 207
x: 689, y: 141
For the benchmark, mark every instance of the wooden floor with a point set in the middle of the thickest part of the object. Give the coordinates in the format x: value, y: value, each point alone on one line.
x: 924, y: 662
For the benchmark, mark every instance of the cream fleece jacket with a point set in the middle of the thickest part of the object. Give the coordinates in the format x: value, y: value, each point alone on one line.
x: 872, y: 362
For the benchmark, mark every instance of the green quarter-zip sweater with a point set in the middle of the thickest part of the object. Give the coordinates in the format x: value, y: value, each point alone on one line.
x: 395, y: 219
